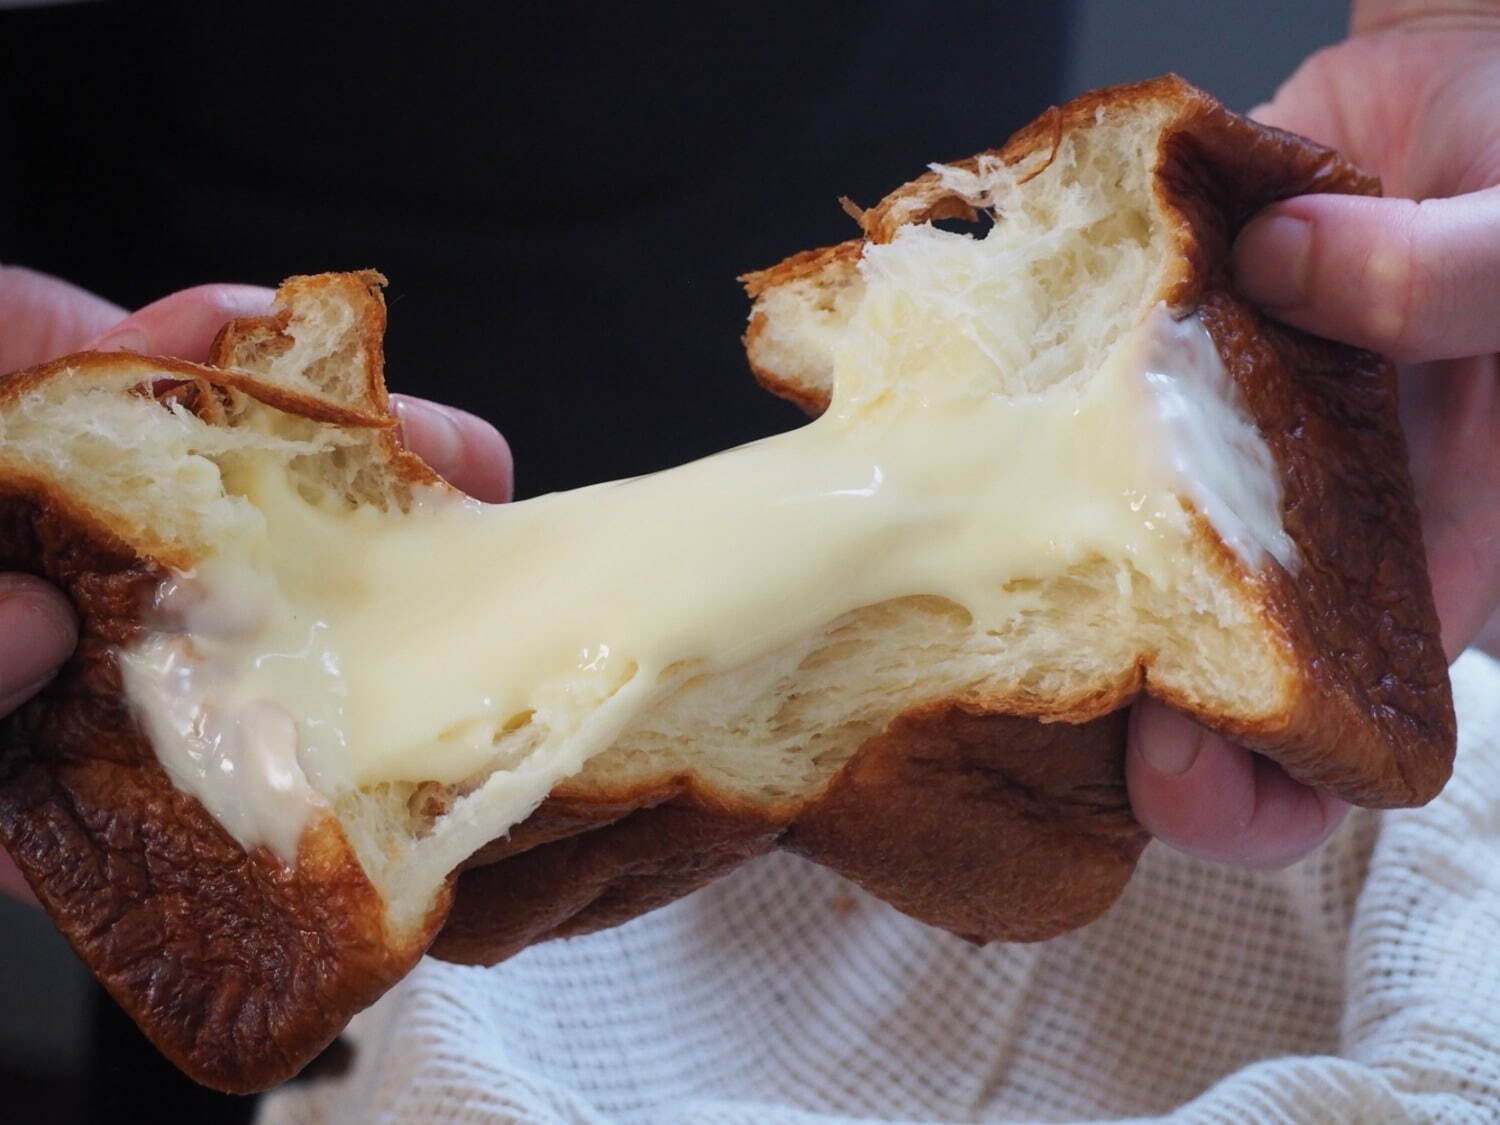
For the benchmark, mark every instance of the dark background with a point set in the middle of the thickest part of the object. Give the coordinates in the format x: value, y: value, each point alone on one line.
x: 561, y: 194
x: 561, y: 197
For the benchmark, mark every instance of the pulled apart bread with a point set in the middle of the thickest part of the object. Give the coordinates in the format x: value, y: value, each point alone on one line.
x: 325, y: 713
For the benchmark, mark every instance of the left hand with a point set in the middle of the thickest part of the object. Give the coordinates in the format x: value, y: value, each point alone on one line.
x: 1412, y: 96
x: 43, y: 317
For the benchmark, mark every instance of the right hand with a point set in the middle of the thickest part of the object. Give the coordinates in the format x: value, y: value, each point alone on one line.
x: 42, y: 317
x: 1416, y: 275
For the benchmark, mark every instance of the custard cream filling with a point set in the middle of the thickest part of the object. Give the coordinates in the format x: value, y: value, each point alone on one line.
x: 345, y: 649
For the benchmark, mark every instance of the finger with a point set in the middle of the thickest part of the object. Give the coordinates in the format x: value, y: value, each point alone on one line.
x: 462, y: 448
x: 185, y: 323
x: 1489, y: 636
x: 1285, y: 116
x: 37, y: 633
x: 1265, y: 113
x: 1415, y: 281
x: 45, y: 317
x: 12, y: 882
x: 1205, y: 796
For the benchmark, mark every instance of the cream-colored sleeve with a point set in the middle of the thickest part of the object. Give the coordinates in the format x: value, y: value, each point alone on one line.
x: 1362, y: 984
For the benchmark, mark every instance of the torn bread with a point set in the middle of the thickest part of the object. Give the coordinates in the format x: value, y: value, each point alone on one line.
x: 1058, y: 464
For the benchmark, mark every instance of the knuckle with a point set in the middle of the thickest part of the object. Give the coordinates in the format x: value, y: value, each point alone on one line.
x: 1397, y: 286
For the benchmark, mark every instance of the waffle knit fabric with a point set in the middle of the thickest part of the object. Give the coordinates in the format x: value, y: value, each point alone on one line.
x: 1361, y: 985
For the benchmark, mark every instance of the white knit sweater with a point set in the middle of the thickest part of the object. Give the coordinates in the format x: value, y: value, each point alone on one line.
x: 1361, y: 985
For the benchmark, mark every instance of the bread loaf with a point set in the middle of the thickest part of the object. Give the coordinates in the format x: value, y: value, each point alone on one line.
x: 1059, y: 463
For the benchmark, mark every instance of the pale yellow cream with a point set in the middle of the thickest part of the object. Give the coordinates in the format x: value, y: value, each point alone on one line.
x: 359, y: 647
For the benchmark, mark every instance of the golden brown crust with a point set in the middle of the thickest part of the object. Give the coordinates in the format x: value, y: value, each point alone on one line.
x: 973, y: 814
x: 809, y: 263
x: 992, y: 826
x: 597, y: 874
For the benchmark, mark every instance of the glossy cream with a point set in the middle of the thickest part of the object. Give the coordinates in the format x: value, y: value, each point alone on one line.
x: 337, y: 650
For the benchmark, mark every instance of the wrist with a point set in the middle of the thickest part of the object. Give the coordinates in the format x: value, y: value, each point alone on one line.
x: 1378, y: 15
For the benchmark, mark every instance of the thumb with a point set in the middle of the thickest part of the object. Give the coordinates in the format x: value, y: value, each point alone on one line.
x: 1203, y: 795
x: 37, y: 633
x: 1414, y: 281
x: 184, y: 323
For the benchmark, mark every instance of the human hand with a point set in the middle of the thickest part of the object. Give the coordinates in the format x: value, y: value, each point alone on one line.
x: 42, y: 317
x: 1411, y: 96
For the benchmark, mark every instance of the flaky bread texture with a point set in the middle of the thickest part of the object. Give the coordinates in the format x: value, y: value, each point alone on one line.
x: 972, y: 778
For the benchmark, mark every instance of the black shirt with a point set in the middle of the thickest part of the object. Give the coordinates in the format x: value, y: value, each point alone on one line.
x: 561, y: 194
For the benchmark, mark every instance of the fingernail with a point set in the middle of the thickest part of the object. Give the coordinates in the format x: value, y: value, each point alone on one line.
x: 430, y: 432
x: 37, y: 633
x: 1168, y: 743
x: 122, y: 340
x: 1271, y: 260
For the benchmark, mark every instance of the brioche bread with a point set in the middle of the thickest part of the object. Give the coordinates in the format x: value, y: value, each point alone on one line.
x: 954, y: 746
